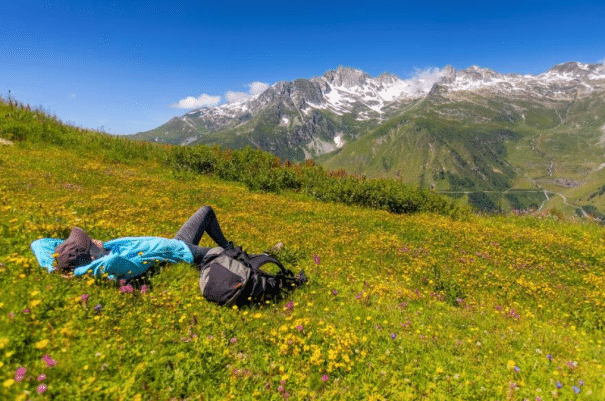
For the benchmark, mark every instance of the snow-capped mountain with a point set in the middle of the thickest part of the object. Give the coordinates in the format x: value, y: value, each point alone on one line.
x: 563, y: 81
x: 306, y: 118
x: 345, y: 90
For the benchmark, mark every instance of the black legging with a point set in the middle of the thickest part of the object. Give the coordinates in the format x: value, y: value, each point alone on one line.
x: 204, y: 220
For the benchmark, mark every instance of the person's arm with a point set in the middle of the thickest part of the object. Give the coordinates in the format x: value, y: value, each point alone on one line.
x: 112, y: 265
x: 96, y: 267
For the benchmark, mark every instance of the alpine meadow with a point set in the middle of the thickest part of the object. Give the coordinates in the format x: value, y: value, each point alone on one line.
x: 411, y: 295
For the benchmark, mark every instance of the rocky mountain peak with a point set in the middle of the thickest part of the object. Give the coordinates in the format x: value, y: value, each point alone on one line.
x: 346, y: 76
x: 477, y: 73
x: 574, y: 69
x: 571, y: 67
x: 387, y: 79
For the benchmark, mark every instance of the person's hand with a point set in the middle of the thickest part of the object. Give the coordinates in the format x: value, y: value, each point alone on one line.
x: 97, y: 250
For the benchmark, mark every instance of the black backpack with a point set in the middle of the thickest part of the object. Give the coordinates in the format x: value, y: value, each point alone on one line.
x: 232, y: 277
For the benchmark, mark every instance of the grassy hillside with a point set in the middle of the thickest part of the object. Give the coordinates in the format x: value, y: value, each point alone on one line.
x: 417, y: 306
x: 481, y: 149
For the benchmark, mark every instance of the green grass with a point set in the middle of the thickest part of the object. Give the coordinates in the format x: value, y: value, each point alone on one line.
x: 417, y: 306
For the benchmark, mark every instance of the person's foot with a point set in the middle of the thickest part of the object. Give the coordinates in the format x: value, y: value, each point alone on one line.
x: 278, y: 247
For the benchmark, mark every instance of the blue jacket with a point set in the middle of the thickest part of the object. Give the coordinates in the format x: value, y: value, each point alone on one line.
x: 128, y: 257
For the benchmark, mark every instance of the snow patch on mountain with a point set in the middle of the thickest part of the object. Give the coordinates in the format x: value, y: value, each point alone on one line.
x: 188, y: 140
x: 318, y: 146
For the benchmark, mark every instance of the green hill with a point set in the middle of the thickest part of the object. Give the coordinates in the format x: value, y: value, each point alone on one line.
x: 411, y: 306
x: 498, y: 154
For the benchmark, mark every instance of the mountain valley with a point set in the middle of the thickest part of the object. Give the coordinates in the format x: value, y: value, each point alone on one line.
x: 497, y: 141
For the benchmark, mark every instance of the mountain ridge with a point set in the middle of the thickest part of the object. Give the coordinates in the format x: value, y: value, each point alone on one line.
x: 332, y: 91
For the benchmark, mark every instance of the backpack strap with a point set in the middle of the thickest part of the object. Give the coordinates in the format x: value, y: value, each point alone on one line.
x: 238, y: 254
x: 254, y: 262
x: 211, y: 255
x: 258, y: 260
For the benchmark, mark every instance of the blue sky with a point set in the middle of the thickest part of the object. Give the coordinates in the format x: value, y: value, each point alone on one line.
x: 131, y: 67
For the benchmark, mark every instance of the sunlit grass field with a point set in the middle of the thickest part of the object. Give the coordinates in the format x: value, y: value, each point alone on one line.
x: 398, y: 307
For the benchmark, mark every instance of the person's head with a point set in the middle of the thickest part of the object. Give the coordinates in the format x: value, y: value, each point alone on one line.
x: 77, y: 250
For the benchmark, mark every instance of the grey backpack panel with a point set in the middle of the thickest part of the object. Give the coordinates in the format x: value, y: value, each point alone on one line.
x: 224, y: 278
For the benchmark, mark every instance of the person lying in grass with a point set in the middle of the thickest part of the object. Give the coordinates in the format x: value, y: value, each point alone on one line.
x: 128, y: 257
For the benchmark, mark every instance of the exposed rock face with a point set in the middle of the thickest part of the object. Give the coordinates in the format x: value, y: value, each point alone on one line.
x: 346, y: 77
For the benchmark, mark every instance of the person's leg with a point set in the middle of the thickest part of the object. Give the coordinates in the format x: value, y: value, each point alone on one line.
x: 198, y: 252
x: 204, y: 220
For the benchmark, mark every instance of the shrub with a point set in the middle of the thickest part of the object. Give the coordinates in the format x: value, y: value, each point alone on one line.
x: 260, y: 170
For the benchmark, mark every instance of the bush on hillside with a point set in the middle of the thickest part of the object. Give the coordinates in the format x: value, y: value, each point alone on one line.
x: 260, y: 170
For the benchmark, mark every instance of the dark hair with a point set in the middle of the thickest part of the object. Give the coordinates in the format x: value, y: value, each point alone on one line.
x: 74, y: 251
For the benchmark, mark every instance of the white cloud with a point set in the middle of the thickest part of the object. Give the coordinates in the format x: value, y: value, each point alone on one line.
x: 423, y: 80
x: 191, y: 102
x: 235, y: 97
x: 255, y: 88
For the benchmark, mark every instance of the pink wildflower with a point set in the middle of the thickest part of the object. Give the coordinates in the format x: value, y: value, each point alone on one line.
x: 49, y: 361
x: 20, y: 374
